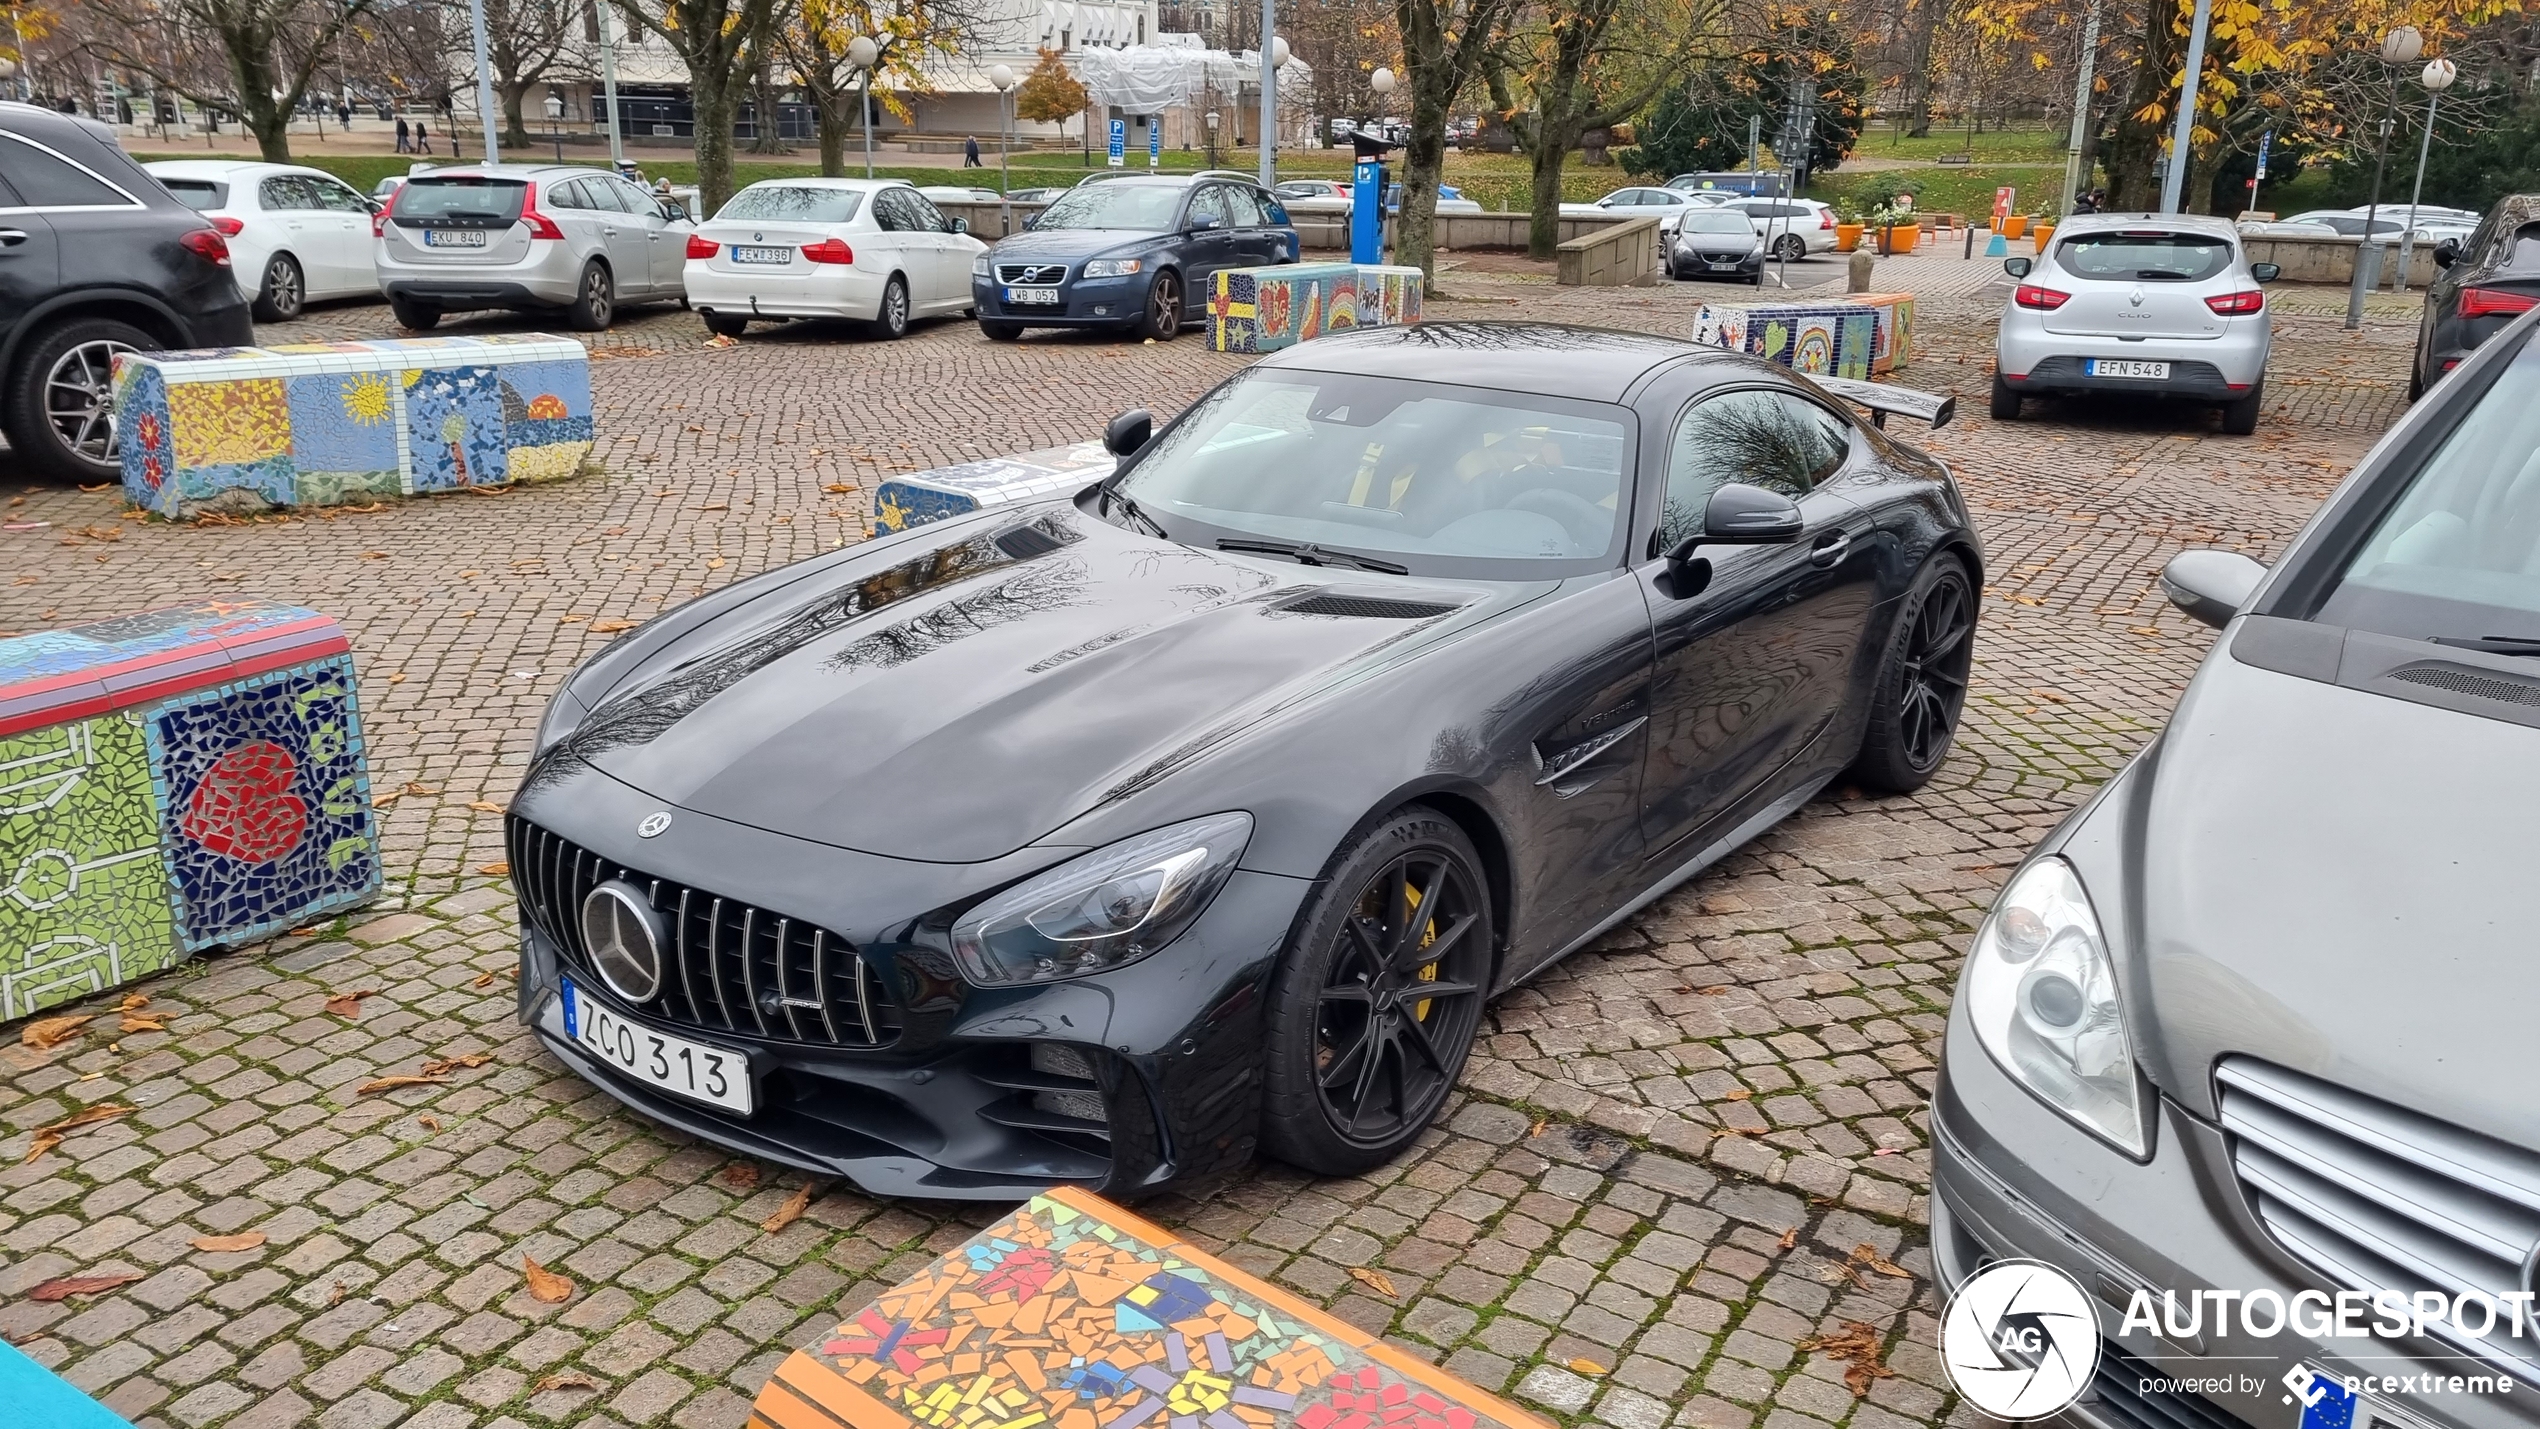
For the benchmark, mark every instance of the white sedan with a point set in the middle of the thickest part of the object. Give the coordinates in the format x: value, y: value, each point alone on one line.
x: 1668, y: 206
x: 873, y: 250
x: 294, y: 233
x: 2387, y: 226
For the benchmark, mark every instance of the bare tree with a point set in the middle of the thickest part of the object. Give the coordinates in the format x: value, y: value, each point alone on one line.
x: 524, y: 40
x: 1444, y: 43
x: 270, y: 51
x: 712, y: 37
x: 907, y: 34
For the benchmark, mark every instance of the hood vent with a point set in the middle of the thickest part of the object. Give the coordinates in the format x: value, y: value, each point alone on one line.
x: 1363, y: 607
x: 2480, y: 684
x: 1023, y: 543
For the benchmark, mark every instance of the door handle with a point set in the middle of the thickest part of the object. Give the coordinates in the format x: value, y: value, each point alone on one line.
x: 1830, y: 548
x: 12, y: 237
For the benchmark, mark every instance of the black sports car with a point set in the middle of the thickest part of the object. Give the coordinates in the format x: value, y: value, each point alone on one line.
x: 1100, y: 839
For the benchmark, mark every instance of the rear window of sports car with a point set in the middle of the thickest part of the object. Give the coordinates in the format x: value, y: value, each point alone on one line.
x: 1439, y: 479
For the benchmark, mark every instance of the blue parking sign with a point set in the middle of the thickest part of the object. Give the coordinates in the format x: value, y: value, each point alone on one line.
x: 1119, y: 142
x: 1155, y: 141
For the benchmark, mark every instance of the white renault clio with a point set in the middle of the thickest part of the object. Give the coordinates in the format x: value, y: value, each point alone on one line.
x: 2162, y: 304
x: 873, y: 250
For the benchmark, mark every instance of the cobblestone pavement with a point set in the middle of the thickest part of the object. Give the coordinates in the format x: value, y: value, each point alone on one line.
x: 1676, y: 1159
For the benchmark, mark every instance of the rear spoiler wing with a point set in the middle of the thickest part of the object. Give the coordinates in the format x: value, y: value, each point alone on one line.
x: 1882, y: 399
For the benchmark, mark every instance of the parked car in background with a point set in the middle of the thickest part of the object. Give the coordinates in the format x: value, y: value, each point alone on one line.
x: 2387, y: 226
x: 1739, y: 183
x: 1664, y: 204
x: 1314, y: 195
x: 1712, y: 243
x: 1036, y: 195
x: 2484, y: 282
x: 1450, y: 200
x: 1135, y: 254
x: 872, y: 250
x: 530, y: 238
x: 96, y: 258
x: 295, y: 234
x: 958, y: 193
x: 2161, y: 304
x: 1792, y: 228
x: 2257, y: 1015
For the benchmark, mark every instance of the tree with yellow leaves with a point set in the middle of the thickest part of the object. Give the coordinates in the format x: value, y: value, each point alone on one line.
x: 908, y: 36
x: 712, y: 38
x: 1051, y: 93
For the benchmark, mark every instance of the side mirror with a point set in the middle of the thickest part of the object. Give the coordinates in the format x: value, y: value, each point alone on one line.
x: 1743, y: 515
x: 2017, y: 267
x: 961, y: 225
x: 1031, y: 220
x: 1128, y: 432
x: 1204, y: 225
x: 2266, y: 272
x: 2211, y: 585
x: 2447, y: 253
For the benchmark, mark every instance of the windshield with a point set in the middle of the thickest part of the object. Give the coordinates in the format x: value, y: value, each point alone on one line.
x: 1448, y: 481
x: 2458, y: 557
x: 2143, y: 257
x: 1713, y: 220
x: 1147, y: 208
x: 793, y: 203
x: 496, y: 199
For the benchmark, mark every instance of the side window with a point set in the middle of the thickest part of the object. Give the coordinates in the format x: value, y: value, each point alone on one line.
x: 282, y: 193
x: 1762, y: 438
x: 924, y: 217
x: 565, y: 195
x: 334, y: 196
x: 622, y: 195
x: 1209, y: 202
x: 889, y: 212
x: 47, y: 180
x: 1243, y: 206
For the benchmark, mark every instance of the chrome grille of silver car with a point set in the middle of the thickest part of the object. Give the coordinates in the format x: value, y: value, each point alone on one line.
x: 2377, y: 1197
x: 733, y: 967
x: 1031, y: 274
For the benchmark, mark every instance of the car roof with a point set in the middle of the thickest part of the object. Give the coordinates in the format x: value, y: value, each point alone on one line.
x: 1554, y: 359
x: 35, y: 119
x: 2175, y: 222
x: 224, y: 168
x: 510, y: 171
x: 812, y: 181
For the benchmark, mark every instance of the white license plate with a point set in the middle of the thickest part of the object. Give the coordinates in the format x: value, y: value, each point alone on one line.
x: 454, y: 238
x: 1031, y: 296
x: 2127, y: 367
x: 742, y: 253
x: 1718, y: 263
x: 717, y: 1076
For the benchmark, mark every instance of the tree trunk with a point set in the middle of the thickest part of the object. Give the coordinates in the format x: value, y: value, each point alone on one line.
x: 763, y: 99
x: 1918, y: 43
x: 515, y: 133
x: 271, y: 125
x: 2135, y: 146
x: 714, y: 99
x: 834, y: 127
x: 1543, y: 230
x: 1423, y: 165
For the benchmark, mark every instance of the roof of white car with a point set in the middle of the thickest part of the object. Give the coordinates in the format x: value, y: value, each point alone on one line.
x: 223, y: 168
x: 2172, y: 222
x: 847, y: 185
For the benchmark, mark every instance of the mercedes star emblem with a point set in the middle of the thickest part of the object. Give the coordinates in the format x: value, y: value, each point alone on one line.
x: 653, y: 824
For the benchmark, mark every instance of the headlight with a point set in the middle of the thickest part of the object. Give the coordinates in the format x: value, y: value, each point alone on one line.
x: 1104, y: 910
x: 564, y: 713
x: 979, y: 265
x: 1113, y: 267
x: 2042, y: 995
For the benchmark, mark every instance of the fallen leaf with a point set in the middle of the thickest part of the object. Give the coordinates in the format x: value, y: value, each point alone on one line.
x: 839, y: 486
x: 1789, y: 1238
x: 716, y: 506
x: 715, y: 565
x: 65, y: 1288
x: 1537, y: 1129
x: 1867, y: 1254
x: 429, y: 1122
x: 487, y: 978
x: 381, y: 1085
x: 789, y: 1212
x: 349, y: 1004
x: 145, y: 1021
x: 1741, y: 1094
x: 718, y: 340
x: 335, y: 1295
x: 1590, y: 1368
x: 397, y: 679
x: 1715, y: 992
x: 1375, y: 1280
x: 739, y: 1175
x: 570, y: 1379
x: 485, y: 806
x: 498, y: 867
x: 244, y: 1240
x: 374, y: 555
x: 309, y: 932
x: 1858, y: 1345
x: 611, y: 627
x: 444, y: 1066
x: 545, y: 1286
x: 54, y: 1031
x: 133, y: 1002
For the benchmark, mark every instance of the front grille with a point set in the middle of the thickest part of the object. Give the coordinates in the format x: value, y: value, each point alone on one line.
x: 2377, y: 1197
x: 2458, y: 681
x: 2120, y: 1382
x: 733, y: 967
x: 1031, y: 274
x: 1367, y: 607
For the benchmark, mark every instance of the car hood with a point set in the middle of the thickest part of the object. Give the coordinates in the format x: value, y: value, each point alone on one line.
x: 1068, y: 244
x: 2331, y: 880
x: 954, y: 700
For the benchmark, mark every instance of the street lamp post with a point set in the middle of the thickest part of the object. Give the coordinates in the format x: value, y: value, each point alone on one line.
x: 484, y: 87
x: 1211, y: 117
x: 2183, y: 133
x: 1002, y: 76
x: 2437, y: 77
x: 861, y: 53
x: 2401, y: 46
x: 555, y: 122
x: 1273, y: 54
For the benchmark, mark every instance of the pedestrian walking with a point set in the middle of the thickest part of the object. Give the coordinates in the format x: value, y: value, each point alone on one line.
x: 405, y: 136
x: 970, y: 153
x: 344, y: 116
x: 423, y: 139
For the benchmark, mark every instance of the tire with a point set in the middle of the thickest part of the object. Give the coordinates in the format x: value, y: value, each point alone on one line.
x: 1790, y: 247
x: 1001, y: 332
x: 724, y: 325
x: 59, y: 403
x: 2240, y: 418
x: 284, y: 294
x: 595, y: 300
x: 1356, y: 1065
x: 2006, y: 402
x: 2416, y: 382
x: 420, y: 317
x: 1921, y: 687
x: 890, y: 319
x: 1163, y: 320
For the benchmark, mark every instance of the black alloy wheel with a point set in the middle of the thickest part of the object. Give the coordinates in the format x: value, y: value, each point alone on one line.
x: 1922, y: 681
x: 890, y: 320
x: 1164, y: 308
x: 285, y: 294
x: 1377, y: 1004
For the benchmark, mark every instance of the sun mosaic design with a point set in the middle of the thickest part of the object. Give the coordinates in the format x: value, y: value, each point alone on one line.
x: 1071, y: 1314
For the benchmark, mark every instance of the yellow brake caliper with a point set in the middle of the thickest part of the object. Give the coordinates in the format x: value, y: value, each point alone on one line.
x: 1428, y: 935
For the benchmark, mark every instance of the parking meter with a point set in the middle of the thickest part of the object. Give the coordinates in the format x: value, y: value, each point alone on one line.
x: 1367, y: 200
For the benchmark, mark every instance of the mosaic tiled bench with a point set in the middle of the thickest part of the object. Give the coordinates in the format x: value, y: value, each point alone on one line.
x: 1830, y: 339
x: 1073, y: 1314
x: 1265, y: 309
x: 1892, y: 346
x: 918, y: 497
x: 169, y: 782
x: 35, y: 1396
x: 336, y: 423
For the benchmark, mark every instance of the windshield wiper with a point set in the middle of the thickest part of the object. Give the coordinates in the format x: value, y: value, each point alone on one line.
x: 1306, y: 553
x: 2492, y: 644
x: 1113, y: 496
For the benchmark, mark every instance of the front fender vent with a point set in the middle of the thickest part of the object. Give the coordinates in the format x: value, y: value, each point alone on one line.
x: 1362, y: 607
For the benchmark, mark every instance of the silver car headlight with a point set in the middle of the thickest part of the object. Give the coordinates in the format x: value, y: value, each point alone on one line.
x: 1113, y: 267
x: 2042, y: 995
x: 979, y: 265
x: 1104, y: 910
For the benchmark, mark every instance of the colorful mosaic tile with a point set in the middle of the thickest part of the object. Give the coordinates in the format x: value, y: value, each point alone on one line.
x: 1893, y: 347
x: 923, y: 496
x: 224, y: 423
x: 1073, y: 1314
x: 1264, y: 309
x: 83, y: 885
x: 1834, y: 339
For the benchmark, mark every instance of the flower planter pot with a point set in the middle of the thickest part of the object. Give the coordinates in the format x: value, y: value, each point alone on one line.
x: 1903, y: 237
x: 2015, y: 226
x: 1847, y: 236
x: 2045, y: 231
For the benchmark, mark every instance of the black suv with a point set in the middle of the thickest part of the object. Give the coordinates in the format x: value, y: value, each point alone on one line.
x: 95, y: 259
x: 2486, y: 282
x: 1137, y: 253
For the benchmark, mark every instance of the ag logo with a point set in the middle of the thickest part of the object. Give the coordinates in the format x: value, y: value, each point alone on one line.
x: 2020, y: 1340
